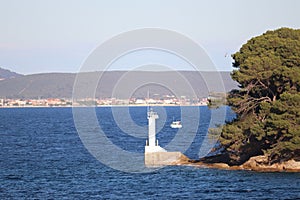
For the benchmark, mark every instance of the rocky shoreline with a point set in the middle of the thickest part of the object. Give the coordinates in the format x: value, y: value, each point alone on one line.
x: 257, y: 163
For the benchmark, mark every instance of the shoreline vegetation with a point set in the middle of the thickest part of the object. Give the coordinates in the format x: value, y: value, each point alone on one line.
x: 265, y: 135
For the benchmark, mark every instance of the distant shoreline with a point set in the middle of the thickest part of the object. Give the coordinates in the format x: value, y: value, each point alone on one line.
x: 105, y: 106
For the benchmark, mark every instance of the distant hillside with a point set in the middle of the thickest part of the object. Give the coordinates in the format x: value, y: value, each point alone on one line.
x: 7, y: 74
x: 60, y: 85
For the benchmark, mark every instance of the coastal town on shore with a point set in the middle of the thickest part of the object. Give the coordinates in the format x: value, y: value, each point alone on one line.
x: 165, y: 100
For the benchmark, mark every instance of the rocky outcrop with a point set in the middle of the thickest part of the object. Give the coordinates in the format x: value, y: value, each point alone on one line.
x: 181, y: 160
x: 260, y: 163
x: 257, y: 163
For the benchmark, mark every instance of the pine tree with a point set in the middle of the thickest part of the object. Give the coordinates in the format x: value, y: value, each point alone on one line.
x: 268, y: 101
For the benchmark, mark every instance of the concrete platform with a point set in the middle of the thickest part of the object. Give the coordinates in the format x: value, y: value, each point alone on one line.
x: 156, y: 159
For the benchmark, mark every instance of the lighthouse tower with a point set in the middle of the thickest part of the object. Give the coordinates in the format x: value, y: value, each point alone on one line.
x: 152, y: 143
x: 155, y: 155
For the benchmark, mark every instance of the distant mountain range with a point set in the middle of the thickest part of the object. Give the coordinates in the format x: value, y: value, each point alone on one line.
x: 7, y: 74
x: 119, y: 84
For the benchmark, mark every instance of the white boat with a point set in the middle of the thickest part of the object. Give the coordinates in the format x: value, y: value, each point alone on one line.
x: 176, y: 124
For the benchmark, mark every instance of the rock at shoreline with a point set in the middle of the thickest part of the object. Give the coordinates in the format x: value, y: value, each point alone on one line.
x: 260, y: 163
x: 257, y: 163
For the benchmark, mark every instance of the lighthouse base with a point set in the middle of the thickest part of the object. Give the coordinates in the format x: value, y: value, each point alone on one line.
x: 157, y: 159
x: 151, y: 149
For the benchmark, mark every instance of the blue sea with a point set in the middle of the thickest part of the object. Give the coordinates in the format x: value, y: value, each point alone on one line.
x: 44, y: 155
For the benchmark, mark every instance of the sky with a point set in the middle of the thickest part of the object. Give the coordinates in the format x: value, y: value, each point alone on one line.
x: 58, y: 35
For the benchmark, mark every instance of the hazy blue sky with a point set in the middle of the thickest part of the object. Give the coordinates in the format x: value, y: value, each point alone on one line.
x: 57, y: 35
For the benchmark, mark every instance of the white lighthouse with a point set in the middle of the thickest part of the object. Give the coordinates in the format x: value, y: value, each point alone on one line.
x: 152, y: 143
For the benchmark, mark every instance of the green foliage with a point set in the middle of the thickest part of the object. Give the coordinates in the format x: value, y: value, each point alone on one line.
x: 214, y: 133
x: 268, y: 101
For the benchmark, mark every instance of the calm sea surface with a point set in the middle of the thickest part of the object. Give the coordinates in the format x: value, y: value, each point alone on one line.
x: 42, y: 157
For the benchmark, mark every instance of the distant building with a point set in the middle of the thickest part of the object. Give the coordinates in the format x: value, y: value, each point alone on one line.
x: 140, y: 101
